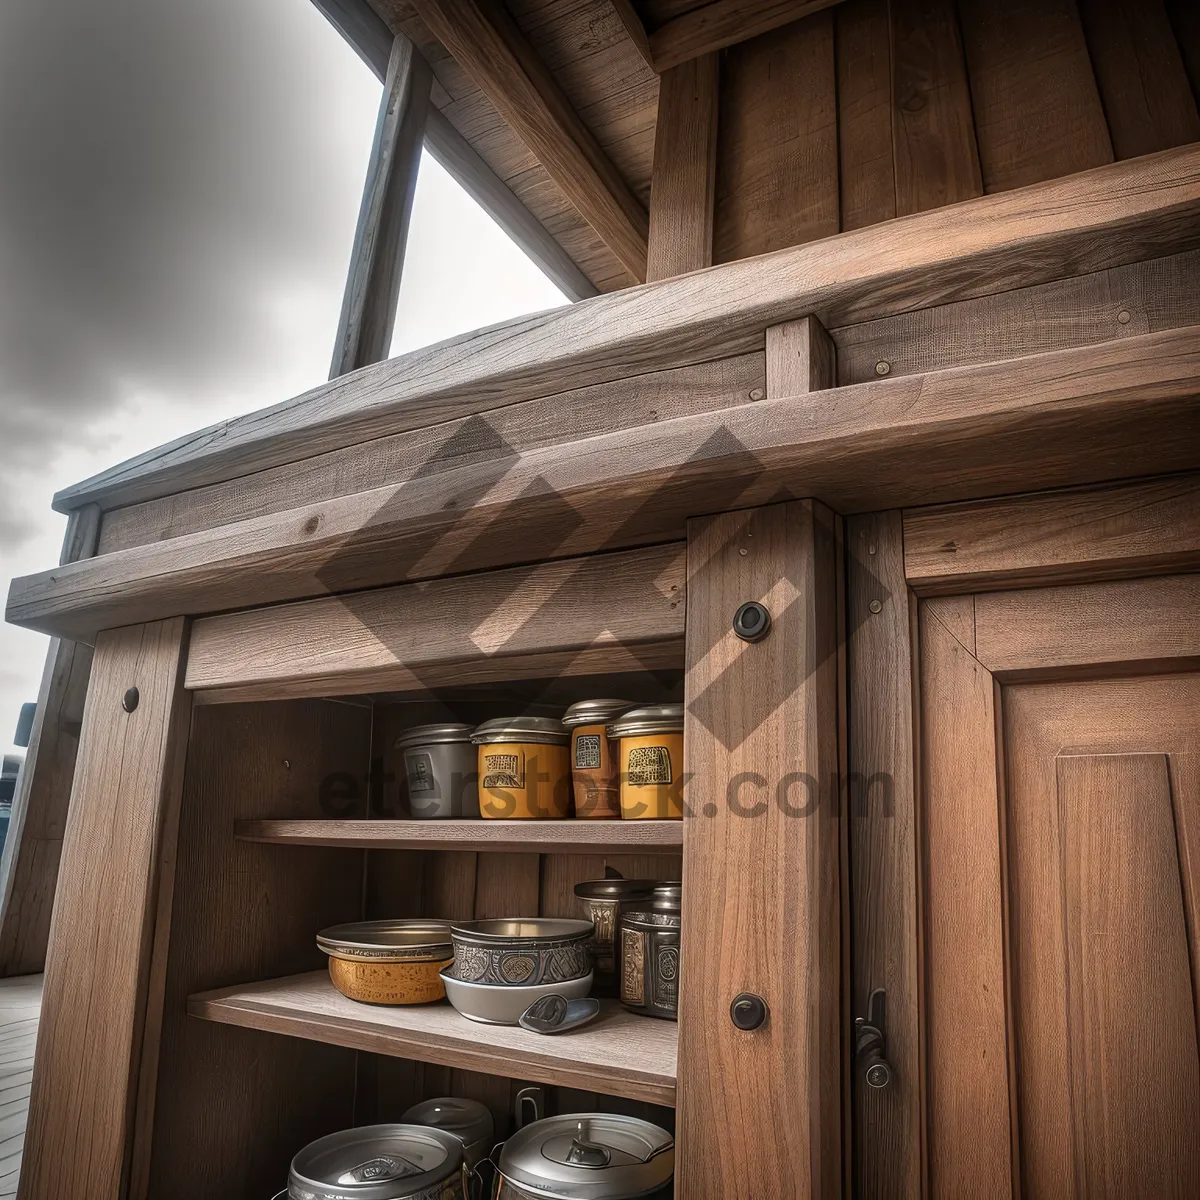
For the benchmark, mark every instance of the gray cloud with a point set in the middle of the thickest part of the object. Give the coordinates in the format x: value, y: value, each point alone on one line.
x: 170, y: 171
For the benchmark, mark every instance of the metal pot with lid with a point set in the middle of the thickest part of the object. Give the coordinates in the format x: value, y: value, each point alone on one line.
x: 469, y: 1121
x: 380, y: 1162
x: 587, y: 1156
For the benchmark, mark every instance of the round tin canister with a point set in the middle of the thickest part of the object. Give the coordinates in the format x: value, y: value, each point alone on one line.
x: 524, y: 768
x: 522, y: 951
x: 380, y: 1162
x: 469, y: 1121
x: 440, y: 764
x: 595, y: 761
x: 587, y: 1156
x: 388, y: 962
x: 651, y: 760
x: 650, y: 954
x: 602, y: 901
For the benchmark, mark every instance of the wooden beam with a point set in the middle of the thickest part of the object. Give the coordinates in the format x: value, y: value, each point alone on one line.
x: 490, y: 47
x: 683, y: 185
x: 633, y: 26
x: 1107, y: 217
x: 420, y: 635
x: 377, y: 259
x: 33, y: 846
x: 371, y: 39
x: 105, y: 971
x: 761, y: 856
x: 1120, y: 408
x: 724, y: 23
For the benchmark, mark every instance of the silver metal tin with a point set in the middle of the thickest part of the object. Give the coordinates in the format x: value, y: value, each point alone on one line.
x: 602, y: 901
x: 442, y: 768
x: 547, y: 731
x: 650, y: 955
x: 654, y: 718
x: 469, y: 1121
x: 380, y: 1162
x: 587, y: 1156
x: 389, y: 941
x: 522, y: 951
x: 595, y: 712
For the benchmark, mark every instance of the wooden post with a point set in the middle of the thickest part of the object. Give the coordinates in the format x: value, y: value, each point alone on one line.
x: 683, y: 186
x: 103, y: 994
x: 29, y: 871
x: 377, y: 260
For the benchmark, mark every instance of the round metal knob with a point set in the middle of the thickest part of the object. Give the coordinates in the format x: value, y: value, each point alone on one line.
x: 879, y: 1074
x: 752, y: 622
x: 748, y: 1011
x: 130, y: 700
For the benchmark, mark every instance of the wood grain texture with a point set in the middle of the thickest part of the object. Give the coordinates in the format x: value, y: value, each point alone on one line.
x: 33, y: 844
x: 722, y: 23
x: 1037, y: 111
x: 634, y: 27
x: 919, y: 439
x: 762, y: 862
x: 20, y: 1007
x: 777, y: 142
x: 1185, y: 24
x: 619, y: 1054
x: 520, y: 837
x: 801, y: 357
x: 889, y: 1128
x: 488, y: 44
x: 422, y: 634
x: 1117, y: 215
x: 100, y: 995
x: 1124, y: 529
x: 1099, y: 307
x: 1148, y: 622
x: 1111, y: 734
x: 368, y: 315
x: 970, y: 1136
x: 1143, y: 85
x: 685, y: 168
x: 933, y: 138
x: 232, y: 1106
x: 601, y: 408
x: 867, y: 186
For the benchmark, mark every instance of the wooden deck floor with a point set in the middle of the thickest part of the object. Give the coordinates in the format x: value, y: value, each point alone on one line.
x: 20, y: 1005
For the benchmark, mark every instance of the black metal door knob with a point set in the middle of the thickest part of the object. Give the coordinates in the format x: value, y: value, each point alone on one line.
x: 752, y: 622
x: 749, y: 1011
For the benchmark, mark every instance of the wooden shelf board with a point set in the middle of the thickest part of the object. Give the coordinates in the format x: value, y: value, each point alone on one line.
x: 619, y: 1054
x: 547, y: 837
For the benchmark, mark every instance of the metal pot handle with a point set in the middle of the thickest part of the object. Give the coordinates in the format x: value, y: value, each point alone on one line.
x: 280, y: 1195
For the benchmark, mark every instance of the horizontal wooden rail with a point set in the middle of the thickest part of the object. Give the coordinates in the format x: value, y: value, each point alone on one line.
x: 1117, y: 214
x: 1118, y: 409
x: 517, y: 837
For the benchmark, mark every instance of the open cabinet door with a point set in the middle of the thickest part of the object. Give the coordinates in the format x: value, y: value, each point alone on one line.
x: 1056, y: 837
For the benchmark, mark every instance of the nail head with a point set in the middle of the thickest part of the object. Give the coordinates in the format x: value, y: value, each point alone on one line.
x: 1123, y: 317
x: 876, y: 606
x: 883, y: 367
x: 757, y: 394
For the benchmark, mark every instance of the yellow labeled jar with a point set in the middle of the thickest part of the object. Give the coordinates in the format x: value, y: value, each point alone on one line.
x: 651, y: 761
x: 595, y: 760
x: 524, y: 768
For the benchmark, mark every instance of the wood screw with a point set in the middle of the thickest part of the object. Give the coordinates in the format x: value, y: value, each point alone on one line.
x: 883, y: 367
x: 876, y: 606
x: 757, y: 394
x: 1123, y: 317
x: 130, y: 700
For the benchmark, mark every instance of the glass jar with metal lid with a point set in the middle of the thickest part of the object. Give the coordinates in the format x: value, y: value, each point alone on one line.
x: 469, y: 1121
x: 651, y: 759
x: 524, y: 767
x: 587, y: 1156
x: 650, y: 954
x: 380, y: 1162
x: 440, y: 765
x: 595, y: 763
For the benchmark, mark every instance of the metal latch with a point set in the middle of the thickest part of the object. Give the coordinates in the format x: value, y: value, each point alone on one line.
x: 870, y: 1046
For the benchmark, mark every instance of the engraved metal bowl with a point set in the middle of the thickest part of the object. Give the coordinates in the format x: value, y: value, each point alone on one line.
x: 522, y: 951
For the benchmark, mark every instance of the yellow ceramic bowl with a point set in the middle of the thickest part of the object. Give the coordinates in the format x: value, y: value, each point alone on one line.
x: 388, y: 962
x: 651, y: 762
x: 524, y: 768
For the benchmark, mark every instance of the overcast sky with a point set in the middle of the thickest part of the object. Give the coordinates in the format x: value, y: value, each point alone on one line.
x: 179, y: 183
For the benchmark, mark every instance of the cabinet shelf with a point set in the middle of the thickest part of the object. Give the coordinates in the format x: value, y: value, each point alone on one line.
x: 618, y: 1054
x: 544, y: 837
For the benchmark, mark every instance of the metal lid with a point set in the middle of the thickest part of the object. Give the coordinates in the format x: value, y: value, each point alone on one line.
x: 614, y: 889
x: 654, y: 718
x: 665, y: 911
x: 595, y: 712
x: 547, y: 730
x: 469, y: 1121
x: 524, y: 929
x: 668, y: 894
x: 589, y: 1156
x: 389, y: 941
x: 376, y: 1162
x: 430, y: 735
